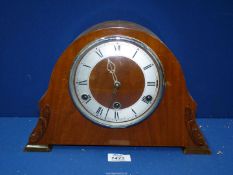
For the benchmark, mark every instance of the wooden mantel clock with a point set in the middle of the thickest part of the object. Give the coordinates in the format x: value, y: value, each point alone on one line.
x: 117, y: 84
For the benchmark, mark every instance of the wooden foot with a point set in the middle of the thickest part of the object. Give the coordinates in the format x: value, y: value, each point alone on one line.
x: 197, y: 150
x: 37, y: 148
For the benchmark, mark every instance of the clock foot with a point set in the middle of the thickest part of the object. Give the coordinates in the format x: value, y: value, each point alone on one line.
x: 37, y: 148
x: 197, y: 150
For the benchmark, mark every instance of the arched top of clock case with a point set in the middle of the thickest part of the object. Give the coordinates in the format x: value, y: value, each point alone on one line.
x: 120, y: 25
x: 120, y: 28
x: 171, y: 124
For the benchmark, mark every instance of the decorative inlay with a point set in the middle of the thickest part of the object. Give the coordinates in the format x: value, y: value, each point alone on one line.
x: 42, y: 125
x: 192, y: 127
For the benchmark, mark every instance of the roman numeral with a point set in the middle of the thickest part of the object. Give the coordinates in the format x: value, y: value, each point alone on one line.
x: 157, y: 83
x: 84, y: 82
x: 99, y: 111
x: 150, y: 83
x: 148, y: 66
x: 116, y: 115
x: 133, y: 111
x: 86, y: 66
x: 106, y: 114
x: 145, y: 100
x: 117, y: 47
x: 89, y: 99
x: 136, y: 52
x: 98, y: 52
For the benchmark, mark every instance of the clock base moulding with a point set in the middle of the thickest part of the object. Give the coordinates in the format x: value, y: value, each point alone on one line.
x: 173, y: 123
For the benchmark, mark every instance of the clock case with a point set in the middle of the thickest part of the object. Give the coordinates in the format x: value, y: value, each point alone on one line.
x: 173, y: 123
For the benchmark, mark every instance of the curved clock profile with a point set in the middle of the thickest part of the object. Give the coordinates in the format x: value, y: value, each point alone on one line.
x: 117, y: 84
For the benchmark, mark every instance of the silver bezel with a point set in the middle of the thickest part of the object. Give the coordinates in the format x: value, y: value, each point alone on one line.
x: 91, y: 117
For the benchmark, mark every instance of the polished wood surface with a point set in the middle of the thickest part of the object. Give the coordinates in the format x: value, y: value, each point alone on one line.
x: 172, y: 123
x: 129, y: 75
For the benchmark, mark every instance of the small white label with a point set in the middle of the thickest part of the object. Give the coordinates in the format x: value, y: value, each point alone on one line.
x: 112, y: 157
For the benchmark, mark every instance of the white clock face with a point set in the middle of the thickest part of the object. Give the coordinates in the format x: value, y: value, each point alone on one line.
x: 116, y: 81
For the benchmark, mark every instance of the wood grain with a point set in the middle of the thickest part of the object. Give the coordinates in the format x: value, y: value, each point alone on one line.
x: 169, y: 125
x: 129, y: 75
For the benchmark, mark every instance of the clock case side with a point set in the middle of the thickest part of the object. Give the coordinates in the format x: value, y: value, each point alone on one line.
x: 172, y: 124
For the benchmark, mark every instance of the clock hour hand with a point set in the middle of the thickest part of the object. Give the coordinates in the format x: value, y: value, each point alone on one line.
x: 111, y: 67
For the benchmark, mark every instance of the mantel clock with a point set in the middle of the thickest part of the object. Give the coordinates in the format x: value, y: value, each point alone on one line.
x: 117, y: 84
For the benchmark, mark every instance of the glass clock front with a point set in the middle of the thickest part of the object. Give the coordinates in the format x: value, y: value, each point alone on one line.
x: 116, y: 81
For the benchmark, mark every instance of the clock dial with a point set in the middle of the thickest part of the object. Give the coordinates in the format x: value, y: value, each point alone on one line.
x: 116, y: 81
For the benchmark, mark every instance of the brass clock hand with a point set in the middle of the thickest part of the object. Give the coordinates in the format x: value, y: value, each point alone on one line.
x: 112, y: 69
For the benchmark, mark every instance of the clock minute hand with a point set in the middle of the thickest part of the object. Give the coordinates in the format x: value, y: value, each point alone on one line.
x: 112, y: 68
